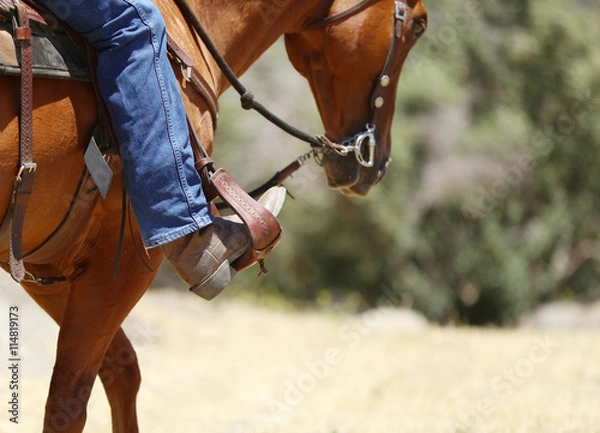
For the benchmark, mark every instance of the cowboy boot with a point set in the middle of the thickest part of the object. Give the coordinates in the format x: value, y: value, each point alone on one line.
x: 203, y: 259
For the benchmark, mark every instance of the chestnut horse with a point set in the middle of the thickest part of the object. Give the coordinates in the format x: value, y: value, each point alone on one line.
x: 341, y: 55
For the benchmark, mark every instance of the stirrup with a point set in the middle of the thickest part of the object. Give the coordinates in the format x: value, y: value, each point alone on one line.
x: 270, y: 202
x: 263, y: 228
x: 261, y: 224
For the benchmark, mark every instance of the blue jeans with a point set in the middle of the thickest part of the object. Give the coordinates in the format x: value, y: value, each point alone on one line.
x: 137, y: 82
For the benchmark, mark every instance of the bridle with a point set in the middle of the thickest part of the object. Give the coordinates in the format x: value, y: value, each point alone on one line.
x: 362, y: 144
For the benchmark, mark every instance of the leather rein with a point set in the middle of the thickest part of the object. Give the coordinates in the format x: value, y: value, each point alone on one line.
x: 362, y: 144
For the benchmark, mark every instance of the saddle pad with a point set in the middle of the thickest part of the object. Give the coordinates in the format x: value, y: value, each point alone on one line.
x: 54, y: 54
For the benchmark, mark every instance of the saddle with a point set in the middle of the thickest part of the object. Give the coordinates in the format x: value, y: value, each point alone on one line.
x: 34, y: 43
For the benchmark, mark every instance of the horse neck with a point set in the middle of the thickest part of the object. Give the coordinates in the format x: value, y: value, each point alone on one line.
x: 243, y: 30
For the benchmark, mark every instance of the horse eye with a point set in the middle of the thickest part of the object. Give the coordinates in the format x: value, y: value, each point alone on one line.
x: 419, y: 28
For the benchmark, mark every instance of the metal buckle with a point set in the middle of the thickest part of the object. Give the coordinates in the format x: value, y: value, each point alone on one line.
x: 186, y: 72
x: 30, y: 278
x: 400, y: 10
x: 28, y: 166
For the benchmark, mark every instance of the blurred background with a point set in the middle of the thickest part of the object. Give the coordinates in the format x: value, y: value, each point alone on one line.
x: 490, y: 209
x: 491, y: 205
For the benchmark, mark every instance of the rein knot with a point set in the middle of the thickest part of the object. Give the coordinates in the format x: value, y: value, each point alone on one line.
x: 247, y: 100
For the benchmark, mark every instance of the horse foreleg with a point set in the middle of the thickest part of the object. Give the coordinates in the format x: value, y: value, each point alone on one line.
x: 91, y: 321
x: 120, y: 375
x: 90, y: 334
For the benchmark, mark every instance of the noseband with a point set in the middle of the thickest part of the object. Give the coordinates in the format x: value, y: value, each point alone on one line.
x: 362, y: 144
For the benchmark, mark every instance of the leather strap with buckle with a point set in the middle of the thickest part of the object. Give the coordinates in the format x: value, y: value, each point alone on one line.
x: 23, y: 184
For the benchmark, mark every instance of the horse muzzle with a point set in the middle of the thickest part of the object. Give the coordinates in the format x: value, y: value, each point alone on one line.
x: 355, y: 174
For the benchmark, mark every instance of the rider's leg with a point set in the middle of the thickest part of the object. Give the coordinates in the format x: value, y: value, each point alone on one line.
x: 138, y: 84
x: 144, y: 102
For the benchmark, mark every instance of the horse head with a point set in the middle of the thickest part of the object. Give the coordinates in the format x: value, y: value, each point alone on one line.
x: 352, y: 61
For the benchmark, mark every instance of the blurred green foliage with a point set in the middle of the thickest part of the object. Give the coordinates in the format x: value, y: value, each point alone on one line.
x: 492, y: 203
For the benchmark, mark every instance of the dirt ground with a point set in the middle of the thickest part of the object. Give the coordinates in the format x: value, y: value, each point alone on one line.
x: 228, y: 367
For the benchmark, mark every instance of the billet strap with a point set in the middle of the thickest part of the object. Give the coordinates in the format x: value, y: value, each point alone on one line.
x: 24, y: 181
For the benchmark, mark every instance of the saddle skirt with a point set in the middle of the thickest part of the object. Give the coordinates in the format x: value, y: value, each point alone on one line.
x: 55, y: 52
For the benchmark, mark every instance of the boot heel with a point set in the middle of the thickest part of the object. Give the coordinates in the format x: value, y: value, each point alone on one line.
x: 215, y: 283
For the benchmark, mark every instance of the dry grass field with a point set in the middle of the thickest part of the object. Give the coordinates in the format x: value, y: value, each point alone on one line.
x: 227, y: 367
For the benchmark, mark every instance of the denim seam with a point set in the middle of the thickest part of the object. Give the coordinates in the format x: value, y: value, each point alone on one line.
x: 170, y: 130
